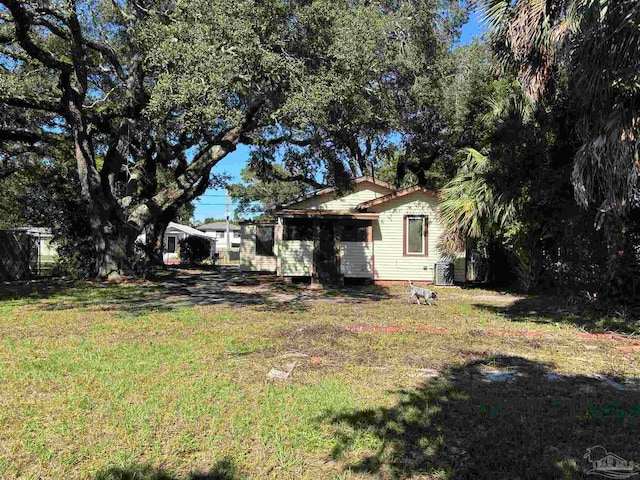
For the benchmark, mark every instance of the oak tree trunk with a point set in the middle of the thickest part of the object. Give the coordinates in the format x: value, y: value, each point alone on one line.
x: 114, y: 231
x: 113, y: 238
x: 114, y: 242
x: 154, y: 238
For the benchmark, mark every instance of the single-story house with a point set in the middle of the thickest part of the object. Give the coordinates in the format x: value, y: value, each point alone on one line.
x: 25, y: 252
x: 374, y: 232
x: 218, y: 231
x: 171, y: 241
x: 44, y: 240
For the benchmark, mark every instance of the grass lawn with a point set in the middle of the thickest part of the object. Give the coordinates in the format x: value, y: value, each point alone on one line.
x: 94, y: 389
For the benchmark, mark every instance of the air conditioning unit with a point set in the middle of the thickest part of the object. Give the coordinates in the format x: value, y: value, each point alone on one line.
x: 443, y: 274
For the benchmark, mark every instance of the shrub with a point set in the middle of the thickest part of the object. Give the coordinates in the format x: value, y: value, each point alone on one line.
x: 194, y: 250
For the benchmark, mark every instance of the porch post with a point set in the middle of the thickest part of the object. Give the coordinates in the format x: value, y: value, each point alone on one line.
x: 337, y: 236
x: 372, y: 263
x: 316, y: 248
x: 278, y: 239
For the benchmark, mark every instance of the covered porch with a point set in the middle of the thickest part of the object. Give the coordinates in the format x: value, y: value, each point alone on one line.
x: 326, y: 246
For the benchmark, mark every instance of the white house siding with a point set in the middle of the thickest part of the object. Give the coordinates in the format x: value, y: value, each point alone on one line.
x: 221, y: 240
x: 355, y: 259
x: 46, y: 246
x: 296, y: 258
x: 363, y: 192
x: 389, y: 261
x: 277, y: 242
x: 249, y: 261
x: 171, y: 232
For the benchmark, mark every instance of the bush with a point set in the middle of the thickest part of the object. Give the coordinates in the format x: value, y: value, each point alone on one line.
x: 194, y: 250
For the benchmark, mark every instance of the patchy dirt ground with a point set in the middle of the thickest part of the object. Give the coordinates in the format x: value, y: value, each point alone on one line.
x: 169, y: 377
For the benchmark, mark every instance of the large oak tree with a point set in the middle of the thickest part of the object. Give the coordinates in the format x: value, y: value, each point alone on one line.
x: 152, y: 94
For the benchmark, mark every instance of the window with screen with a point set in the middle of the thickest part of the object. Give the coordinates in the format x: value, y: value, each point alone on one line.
x: 354, y: 233
x: 415, y: 235
x: 298, y: 229
x: 264, y: 240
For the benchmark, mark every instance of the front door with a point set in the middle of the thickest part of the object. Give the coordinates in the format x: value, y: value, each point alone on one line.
x: 326, y: 254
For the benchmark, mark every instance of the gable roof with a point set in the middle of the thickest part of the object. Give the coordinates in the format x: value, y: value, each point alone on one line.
x: 398, y: 194
x: 324, y: 191
x: 186, y: 229
x: 217, y: 226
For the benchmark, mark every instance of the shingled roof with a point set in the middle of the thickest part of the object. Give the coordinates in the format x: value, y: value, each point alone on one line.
x: 217, y: 227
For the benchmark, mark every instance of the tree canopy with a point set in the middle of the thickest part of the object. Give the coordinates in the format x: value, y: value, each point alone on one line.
x: 256, y: 194
x: 153, y: 94
x: 545, y: 138
x: 588, y: 51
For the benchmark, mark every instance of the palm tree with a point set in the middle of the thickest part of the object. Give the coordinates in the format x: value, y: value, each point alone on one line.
x: 470, y: 208
x: 591, y: 49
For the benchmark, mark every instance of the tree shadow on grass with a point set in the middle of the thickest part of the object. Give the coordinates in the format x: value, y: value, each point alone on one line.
x: 174, y: 289
x: 514, y: 420
x: 171, y: 292
x: 593, y: 317
x: 224, y: 469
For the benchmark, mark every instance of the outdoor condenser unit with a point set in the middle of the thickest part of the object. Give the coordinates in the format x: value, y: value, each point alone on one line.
x: 443, y: 274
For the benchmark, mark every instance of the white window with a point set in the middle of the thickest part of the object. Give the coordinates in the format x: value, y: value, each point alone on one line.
x: 415, y: 235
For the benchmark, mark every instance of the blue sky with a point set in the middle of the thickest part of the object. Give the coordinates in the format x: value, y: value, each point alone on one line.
x: 472, y: 28
x: 212, y: 203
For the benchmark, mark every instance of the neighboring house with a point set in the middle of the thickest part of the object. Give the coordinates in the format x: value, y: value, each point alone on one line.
x: 44, y: 240
x: 218, y: 230
x: 171, y: 241
x: 25, y: 252
x: 373, y: 232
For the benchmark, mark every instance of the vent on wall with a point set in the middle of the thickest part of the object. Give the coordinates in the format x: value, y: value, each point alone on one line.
x: 443, y: 274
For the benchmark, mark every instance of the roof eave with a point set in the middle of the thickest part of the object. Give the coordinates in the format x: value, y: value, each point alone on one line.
x: 329, y: 214
x: 324, y: 191
x: 435, y: 194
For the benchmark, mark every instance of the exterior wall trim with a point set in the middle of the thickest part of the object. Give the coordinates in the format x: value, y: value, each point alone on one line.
x: 425, y: 234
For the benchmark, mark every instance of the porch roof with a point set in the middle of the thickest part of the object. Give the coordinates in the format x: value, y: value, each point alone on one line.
x: 330, y: 214
x: 188, y: 230
x: 258, y: 222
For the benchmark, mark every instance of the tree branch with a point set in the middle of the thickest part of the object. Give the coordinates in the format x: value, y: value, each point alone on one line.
x: 299, y: 178
x: 23, y: 22
x: 43, y: 105
x: 113, y: 161
x: 78, y: 52
x: 248, y: 140
x: 53, y: 28
x: 186, y: 186
x: 99, y: 47
x: 24, y: 136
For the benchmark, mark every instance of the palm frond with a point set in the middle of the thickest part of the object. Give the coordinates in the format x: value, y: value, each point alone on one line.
x: 597, y: 44
x: 469, y: 207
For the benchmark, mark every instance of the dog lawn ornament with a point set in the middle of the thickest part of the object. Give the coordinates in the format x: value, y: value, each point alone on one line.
x: 419, y: 292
